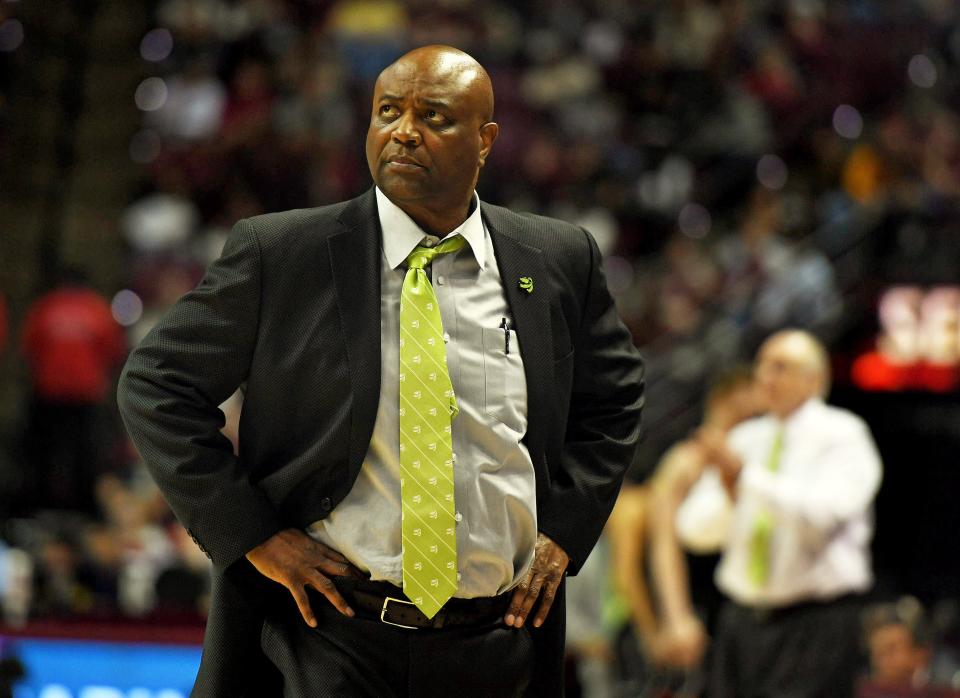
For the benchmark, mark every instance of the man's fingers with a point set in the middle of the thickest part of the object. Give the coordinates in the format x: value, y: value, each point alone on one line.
x: 516, y: 601
x: 336, y: 568
x: 329, y: 552
x: 523, y: 600
x: 300, y: 596
x: 326, y: 587
x: 546, y: 601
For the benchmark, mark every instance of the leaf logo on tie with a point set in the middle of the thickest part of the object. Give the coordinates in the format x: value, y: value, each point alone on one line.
x: 433, y: 411
x: 432, y: 376
x: 416, y: 427
x: 449, y: 565
x: 433, y: 548
x: 526, y: 283
x: 432, y: 481
x: 433, y: 514
x: 417, y: 532
x: 416, y: 465
x: 418, y: 566
x: 434, y: 583
x: 415, y: 324
x: 432, y: 446
x: 416, y: 499
x: 449, y: 533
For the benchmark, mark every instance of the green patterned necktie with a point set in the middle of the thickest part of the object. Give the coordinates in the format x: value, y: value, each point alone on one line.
x: 759, y: 562
x: 427, y: 409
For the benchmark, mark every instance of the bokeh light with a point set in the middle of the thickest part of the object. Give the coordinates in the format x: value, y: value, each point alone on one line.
x: 847, y: 122
x: 922, y: 71
x: 127, y: 308
x: 11, y: 35
x: 156, y: 45
x: 772, y: 172
x: 151, y: 94
x: 694, y: 221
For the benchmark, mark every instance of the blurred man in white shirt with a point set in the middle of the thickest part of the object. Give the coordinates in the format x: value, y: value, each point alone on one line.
x: 800, y: 481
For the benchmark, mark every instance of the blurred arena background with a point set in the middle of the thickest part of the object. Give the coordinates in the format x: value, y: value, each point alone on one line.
x: 746, y: 165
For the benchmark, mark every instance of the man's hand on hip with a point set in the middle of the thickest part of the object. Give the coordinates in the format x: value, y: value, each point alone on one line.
x: 549, y: 564
x: 297, y: 561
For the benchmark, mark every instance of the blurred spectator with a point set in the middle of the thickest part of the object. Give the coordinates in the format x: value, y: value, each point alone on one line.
x: 900, y: 644
x: 769, y: 283
x: 72, y: 345
x: 801, y: 480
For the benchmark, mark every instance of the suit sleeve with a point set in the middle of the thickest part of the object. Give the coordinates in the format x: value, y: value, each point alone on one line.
x: 169, y: 393
x: 603, y: 423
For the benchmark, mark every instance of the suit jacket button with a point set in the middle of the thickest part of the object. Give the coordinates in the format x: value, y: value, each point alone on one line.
x: 326, y: 504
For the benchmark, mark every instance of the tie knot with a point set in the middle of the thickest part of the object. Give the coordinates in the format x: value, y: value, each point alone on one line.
x: 422, y: 256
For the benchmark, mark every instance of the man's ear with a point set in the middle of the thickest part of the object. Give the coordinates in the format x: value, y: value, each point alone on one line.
x: 488, y: 134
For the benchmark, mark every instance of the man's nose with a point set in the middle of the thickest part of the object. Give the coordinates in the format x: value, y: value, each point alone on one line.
x: 405, y: 131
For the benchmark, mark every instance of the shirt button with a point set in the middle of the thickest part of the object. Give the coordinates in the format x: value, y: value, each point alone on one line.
x: 458, y: 516
x: 325, y: 504
x: 446, y: 338
x: 459, y: 576
x: 429, y: 241
x: 453, y: 457
x: 441, y: 280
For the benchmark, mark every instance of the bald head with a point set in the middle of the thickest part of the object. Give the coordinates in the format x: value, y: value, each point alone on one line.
x: 458, y: 68
x: 430, y: 134
x: 792, y: 367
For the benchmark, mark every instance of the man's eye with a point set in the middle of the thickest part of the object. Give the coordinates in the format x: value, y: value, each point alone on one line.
x: 387, y: 110
x: 433, y: 115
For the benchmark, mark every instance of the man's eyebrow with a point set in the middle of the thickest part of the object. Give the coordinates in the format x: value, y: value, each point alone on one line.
x: 429, y: 101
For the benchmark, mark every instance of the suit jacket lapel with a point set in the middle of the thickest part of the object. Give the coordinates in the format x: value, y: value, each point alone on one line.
x: 531, y: 318
x: 355, y: 266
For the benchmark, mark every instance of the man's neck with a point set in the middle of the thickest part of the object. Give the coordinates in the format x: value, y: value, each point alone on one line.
x: 439, y: 223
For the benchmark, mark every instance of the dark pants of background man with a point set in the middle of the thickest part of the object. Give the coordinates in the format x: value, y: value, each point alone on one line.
x: 810, y: 650
x: 363, y: 657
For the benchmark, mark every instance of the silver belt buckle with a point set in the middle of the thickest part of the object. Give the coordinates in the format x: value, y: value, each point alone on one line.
x: 383, y: 613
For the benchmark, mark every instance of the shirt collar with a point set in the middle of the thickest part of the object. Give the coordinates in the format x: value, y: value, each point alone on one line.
x: 401, y: 234
x: 801, y: 413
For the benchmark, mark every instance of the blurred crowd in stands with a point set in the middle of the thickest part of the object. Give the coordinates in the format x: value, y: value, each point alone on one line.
x: 745, y: 165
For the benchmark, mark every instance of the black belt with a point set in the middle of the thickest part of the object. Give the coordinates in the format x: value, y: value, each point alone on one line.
x: 387, y: 603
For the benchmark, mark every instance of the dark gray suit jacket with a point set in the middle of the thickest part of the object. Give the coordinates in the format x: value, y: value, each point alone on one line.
x: 292, y: 308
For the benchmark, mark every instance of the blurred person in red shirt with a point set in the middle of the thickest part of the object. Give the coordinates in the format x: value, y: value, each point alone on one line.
x: 72, y: 346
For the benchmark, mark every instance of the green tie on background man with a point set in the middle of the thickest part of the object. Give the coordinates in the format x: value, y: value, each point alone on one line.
x: 759, y: 560
x: 427, y: 409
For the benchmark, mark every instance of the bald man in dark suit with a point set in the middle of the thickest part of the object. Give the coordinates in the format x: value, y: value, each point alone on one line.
x: 304, y: 526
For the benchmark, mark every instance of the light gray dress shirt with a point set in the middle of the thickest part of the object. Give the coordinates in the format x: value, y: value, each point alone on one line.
x: 494, y: 481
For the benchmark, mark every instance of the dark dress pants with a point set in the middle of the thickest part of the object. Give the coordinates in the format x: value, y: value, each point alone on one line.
x: 346, y: 657
x: 806, y: 651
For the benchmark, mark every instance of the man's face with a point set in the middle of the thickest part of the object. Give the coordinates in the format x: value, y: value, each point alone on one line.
x: 784, y: 378
x: 894, y: 657
x: 427, y: 139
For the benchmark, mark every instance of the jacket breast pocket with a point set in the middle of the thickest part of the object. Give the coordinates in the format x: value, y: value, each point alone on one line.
x: 505, y: 386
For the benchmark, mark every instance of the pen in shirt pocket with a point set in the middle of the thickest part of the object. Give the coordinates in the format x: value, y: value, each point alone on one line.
x: 505, y: 326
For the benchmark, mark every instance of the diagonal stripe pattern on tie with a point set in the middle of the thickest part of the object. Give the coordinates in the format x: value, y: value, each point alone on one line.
x: 427, y: 409
x: 760, y: 537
